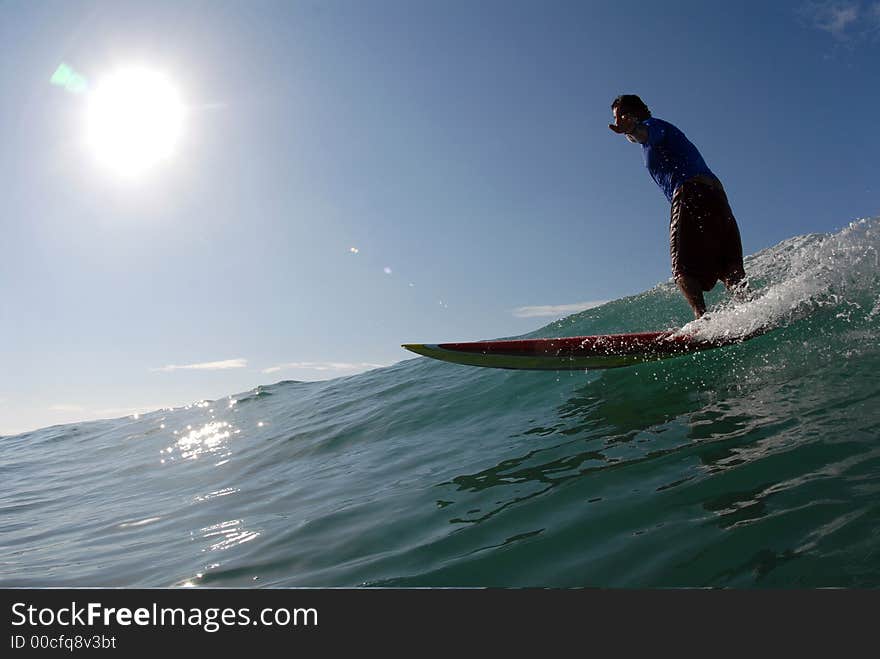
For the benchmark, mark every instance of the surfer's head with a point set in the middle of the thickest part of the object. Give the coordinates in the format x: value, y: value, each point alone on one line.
x: 632, y: 105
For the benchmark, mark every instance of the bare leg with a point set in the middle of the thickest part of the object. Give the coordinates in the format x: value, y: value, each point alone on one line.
x: 693, y: 293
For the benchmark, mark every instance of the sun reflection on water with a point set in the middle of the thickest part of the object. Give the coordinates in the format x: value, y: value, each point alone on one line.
x: 207, y: 440
x: 227, y: 534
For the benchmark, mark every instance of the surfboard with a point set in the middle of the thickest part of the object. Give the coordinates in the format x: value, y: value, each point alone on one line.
x: 574, y: 352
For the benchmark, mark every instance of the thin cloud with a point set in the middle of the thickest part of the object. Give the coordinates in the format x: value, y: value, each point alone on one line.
x: 846, y: 21
x: 555, y: 311
x: 838, y: 20
x: 337, y: 367
x: 67, y: 407
x: 114, y: 412
x: 204, y: 366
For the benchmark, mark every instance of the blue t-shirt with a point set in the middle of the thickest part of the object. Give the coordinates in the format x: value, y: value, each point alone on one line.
x: 670, y: 157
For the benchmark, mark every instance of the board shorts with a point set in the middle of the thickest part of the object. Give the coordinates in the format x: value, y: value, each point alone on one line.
x: 704, y: 240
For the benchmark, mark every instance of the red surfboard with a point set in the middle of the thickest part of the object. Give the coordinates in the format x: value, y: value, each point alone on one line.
x: 572, y: 353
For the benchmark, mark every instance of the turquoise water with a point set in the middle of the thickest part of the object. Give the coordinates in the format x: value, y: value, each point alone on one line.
x: 756, y: 465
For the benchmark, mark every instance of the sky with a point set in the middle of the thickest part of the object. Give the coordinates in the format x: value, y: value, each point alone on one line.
x: 350, y: 176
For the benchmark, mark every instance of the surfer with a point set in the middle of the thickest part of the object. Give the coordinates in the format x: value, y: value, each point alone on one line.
x: 704, y: 240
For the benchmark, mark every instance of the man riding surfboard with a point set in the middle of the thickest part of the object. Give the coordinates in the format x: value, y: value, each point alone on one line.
x: 704, y: 240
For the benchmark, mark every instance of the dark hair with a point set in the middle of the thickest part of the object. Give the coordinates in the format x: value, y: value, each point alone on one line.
x: 632, y: 104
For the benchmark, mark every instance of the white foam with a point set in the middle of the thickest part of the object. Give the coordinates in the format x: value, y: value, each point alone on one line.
x: 800, y: 276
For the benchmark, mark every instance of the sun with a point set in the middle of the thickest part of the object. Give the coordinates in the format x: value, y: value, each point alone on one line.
x: 134, y: 120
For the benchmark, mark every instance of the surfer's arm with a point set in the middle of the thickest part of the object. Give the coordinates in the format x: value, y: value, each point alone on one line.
x: 637, y: 131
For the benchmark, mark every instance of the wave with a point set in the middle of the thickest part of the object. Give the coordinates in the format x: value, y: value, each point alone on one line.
x: 751, y: 465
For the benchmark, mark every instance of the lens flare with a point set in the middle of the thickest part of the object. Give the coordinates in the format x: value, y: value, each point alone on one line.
x: 69, y: 79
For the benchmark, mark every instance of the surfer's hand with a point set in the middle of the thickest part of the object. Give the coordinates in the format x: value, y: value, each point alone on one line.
x: 631, y: 129
x: 625, y: 124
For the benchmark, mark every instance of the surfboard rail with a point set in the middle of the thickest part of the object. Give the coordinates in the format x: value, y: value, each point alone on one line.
x: 570, y: 353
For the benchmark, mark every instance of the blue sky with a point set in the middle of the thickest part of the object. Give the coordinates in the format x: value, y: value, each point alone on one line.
x: 460, y: 147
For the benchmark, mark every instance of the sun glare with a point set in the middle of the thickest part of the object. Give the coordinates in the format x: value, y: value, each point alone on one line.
x: 134, y: 120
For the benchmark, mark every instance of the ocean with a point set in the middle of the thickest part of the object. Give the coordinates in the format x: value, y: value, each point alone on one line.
x: 751, y: 466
